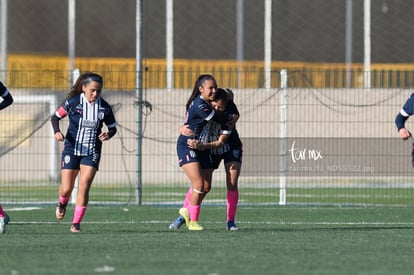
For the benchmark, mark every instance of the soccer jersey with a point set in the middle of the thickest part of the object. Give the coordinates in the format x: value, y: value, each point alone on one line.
x: 4, y: 92
x: 232, y: 150
x: 233, y: 142
x: 6, y: 96
x: 85, y: 124
x: 198, y: 115
x: 408, y: 108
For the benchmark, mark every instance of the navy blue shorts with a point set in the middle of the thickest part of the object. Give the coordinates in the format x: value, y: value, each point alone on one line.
x: 186, y: 155
x: 234, y: 155
x: 70, y: 161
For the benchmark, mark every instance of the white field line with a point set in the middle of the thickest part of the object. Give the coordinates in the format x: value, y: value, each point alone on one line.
x: 241, y: 222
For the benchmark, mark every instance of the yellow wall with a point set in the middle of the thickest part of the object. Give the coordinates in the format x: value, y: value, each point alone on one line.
x: 33, y: 71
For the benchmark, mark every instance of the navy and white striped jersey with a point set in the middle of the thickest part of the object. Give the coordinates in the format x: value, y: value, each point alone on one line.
x: 233, y: 142
x: 85, y: 124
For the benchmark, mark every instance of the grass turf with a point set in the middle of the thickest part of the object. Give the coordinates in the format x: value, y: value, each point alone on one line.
x: 272, y: 240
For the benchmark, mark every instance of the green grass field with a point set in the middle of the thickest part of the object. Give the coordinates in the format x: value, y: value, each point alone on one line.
x: 272, y: 240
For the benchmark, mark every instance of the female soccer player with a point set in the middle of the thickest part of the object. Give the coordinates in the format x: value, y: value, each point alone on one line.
x: 406, y: 111
x: 231, y: 154
x: 197, y: 163
x: 223, y: 145
x: 7, y: 101
x: 87, y: 111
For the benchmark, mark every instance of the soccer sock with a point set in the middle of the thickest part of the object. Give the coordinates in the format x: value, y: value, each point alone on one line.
x: 63, y: 200
x: 79, y: 213
x: 232, y: 201
x: 194, y: 212
x: 2, y: 213
x: 188, y: 197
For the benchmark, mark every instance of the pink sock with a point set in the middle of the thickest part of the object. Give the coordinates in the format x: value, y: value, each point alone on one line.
x: 232, y: 201
x: 194, y: 212
x: 63, y: 200
x: 187, y: 198
x: 2, y: 213
x: 79, y: 213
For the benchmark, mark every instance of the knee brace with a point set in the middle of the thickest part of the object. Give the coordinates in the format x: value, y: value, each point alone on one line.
x: 198, y: 191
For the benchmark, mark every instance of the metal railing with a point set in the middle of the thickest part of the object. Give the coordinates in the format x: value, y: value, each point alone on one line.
x: 33, y: 71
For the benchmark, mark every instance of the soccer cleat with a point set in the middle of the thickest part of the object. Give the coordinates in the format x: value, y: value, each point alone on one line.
x: 60, y: 211
x: 177, y: 223
x: 75, y: 228
x: 232, y: 226
x: 6, y: 219
x: 184, y: 213
x: 195, y: 226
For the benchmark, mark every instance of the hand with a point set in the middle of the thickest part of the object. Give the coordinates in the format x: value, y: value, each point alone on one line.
x: 233, y: 121
x: 103, y: 136
x: 404, y: 133
x: 231, y: 124
x: 186, y: 131
x: 59, y: 136
x: 194, y: 144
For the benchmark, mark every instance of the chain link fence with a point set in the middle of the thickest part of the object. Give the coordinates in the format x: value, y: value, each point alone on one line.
x: 320, y: 43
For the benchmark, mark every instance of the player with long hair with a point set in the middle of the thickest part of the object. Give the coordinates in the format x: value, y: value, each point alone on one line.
x: 6, y: 102
x: 87, y: 112
x: 197, y: 163
x: 223, y: 145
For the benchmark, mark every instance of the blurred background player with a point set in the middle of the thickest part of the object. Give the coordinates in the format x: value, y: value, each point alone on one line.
x: 7, y: 101
x: 87, y: 111
x: 406, y: 111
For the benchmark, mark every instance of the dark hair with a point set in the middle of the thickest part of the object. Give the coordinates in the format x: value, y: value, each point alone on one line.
x: 198, y: 83
x: 84, y: 79
x: 230, y: 94
x: 222, y: 95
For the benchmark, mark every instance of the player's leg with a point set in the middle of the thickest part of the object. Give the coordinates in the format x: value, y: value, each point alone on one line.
x: 4, y: 219
x: 192, y: 212
x: 70, y: 170
x: 232, y: 175
x: 179, y: 221
x: 68, y: 177
x: 87, y: 174
x: 207, y: 175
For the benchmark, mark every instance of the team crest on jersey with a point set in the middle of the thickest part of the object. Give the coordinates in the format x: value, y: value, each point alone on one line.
x: 66, y: 159
x: 79, y: 109
x: 101, y: 114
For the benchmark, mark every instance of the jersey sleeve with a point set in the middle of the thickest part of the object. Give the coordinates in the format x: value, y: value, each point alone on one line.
x: 408, y: 108
x: 232, y: 108
x: 206, y: 111
x: 7, y: 99
x: 63, y: 110
x: 109, y: 119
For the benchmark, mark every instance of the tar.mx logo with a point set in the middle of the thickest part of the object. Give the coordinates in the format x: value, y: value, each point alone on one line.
x: 298, y: 154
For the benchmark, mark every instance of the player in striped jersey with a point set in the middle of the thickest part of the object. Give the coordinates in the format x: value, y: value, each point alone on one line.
x: 6, y: 102
x: 87, y: 112
x: 231, y: 153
